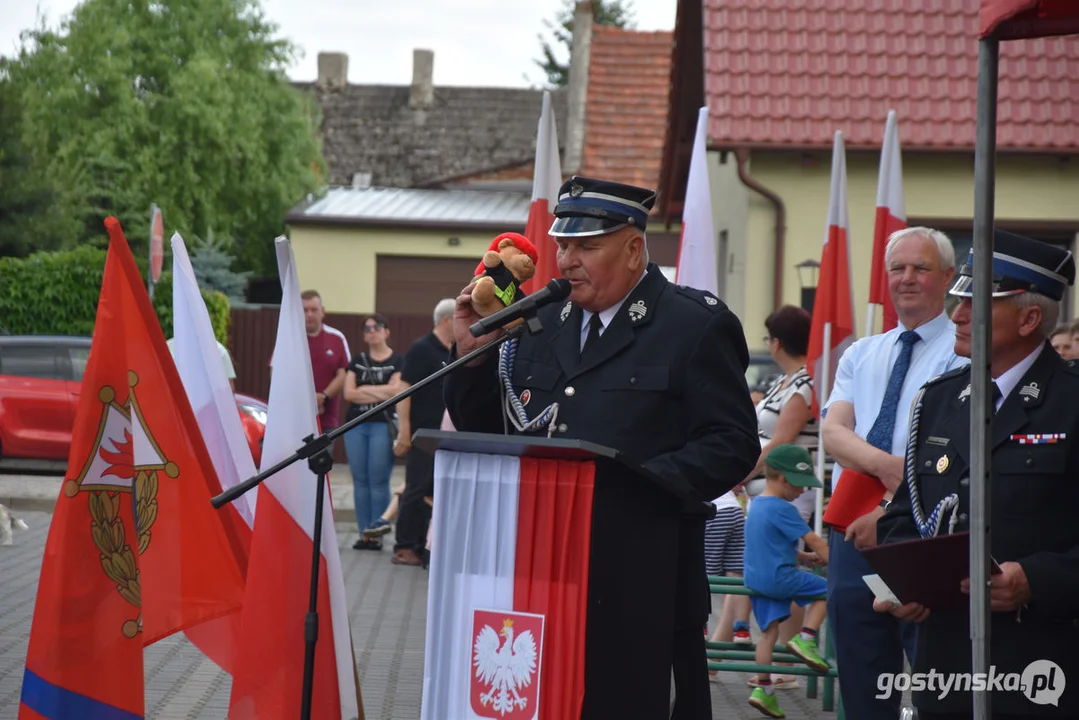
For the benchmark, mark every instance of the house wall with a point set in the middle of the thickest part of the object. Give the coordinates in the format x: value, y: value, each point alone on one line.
x: 937, y: 187
x: 731, y: 204
x: 341, y: 262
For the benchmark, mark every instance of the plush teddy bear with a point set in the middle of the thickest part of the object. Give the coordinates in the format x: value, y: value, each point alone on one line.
x: 507, y: 264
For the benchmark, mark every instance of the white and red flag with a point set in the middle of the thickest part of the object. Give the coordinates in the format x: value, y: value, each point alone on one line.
x: 509, y: 587
x: 891, y: 216
x: 697, y: 266
x: 268, y: 672
x: 546, y: 179
x: 198, y: 362
x: 832, y: 330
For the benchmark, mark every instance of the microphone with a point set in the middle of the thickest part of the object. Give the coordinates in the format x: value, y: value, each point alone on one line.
x: 554, y: 291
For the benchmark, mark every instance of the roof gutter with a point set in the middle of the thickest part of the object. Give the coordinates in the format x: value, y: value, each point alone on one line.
x: 363, y: 223
x: 742, y: 155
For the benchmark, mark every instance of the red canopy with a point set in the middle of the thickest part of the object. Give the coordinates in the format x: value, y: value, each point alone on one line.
x: 1015, y: 19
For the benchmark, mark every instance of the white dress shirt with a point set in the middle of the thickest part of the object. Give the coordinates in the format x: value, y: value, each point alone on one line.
x: 607, y: 315
x: 862, y: 376
x: 1011, y: 377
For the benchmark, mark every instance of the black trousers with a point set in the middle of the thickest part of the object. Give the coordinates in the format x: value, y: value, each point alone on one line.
x: 692, y: 694
x: 415, y: 514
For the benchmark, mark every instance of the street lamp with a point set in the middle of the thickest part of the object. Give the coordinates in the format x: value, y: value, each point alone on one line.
x: 808, y: 271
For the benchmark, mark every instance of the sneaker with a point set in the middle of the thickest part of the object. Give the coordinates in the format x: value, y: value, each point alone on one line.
x: 365, y: 544
x: 377, y: 529
x: 779, y: 682
x: 742, y: 636
x: 807, y: 651
x: 767, y: 704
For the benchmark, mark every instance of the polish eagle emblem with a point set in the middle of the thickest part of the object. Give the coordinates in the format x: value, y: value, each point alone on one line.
x: 506, y: 664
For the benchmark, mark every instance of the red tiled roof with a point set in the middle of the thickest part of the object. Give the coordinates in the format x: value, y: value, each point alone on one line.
x: 789, y: 73
x: 626, y: 106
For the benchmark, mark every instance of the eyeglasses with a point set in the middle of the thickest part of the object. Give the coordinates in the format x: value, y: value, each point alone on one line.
x: 373, y: 328
x: 767, y: 339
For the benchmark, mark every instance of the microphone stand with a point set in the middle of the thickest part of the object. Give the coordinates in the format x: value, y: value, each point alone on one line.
x: 316, y: 450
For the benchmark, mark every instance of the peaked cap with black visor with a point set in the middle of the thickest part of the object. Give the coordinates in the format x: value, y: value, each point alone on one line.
x: 1021, y: 265
x: 588, y: 207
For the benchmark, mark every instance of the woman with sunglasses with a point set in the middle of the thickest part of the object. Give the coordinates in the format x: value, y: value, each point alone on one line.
x: 372, y: 377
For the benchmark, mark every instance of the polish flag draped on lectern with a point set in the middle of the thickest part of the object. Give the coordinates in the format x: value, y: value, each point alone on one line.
x: 510, y: 588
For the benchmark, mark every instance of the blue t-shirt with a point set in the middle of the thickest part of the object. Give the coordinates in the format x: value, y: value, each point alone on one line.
x: 773, y: 529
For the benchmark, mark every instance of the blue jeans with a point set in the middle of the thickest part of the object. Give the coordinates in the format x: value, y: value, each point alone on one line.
x: 370, y: 457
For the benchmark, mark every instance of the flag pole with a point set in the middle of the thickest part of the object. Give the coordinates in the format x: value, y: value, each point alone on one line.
x: 981, y: 408
x: 870, y: 318
x: 826, y: 362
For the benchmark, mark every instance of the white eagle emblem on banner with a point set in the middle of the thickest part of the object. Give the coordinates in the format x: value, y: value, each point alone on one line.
x: 506, y: 664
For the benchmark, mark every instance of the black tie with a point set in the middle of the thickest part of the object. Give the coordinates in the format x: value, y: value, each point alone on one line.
x: 594, y: 326
x: 997, y: 395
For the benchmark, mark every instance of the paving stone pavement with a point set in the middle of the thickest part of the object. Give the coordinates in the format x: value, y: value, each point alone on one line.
x: 387, y: 611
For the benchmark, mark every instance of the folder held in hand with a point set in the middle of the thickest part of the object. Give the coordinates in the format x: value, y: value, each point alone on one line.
x: 855, y: 495
x: 926, y: 570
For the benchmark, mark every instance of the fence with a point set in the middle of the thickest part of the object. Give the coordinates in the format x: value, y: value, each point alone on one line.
x: 254, y: 330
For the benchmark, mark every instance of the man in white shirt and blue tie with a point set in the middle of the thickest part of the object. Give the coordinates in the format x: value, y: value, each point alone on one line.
x: 865, y: 429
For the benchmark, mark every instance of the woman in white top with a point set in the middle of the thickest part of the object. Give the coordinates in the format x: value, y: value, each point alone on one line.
x: 784, y: 416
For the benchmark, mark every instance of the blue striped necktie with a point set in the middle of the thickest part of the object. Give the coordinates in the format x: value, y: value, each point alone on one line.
x: 880, y: 435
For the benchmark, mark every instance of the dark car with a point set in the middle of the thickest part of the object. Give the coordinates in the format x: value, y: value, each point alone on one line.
x: 40, y: 380
x: 762, y: 372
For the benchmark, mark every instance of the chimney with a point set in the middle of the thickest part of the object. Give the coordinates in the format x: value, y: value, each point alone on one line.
x: 423, y: 84
x: 332, y: 69
x: 579, y: 60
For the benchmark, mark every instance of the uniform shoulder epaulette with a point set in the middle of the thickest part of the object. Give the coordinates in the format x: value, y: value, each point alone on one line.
x: 704, y: 297
x: 954, y: 373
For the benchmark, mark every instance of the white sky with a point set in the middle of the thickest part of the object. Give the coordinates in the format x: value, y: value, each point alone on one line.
x: 476, y: 42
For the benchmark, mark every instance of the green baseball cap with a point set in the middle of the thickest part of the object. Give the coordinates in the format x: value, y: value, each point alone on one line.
x: 795, y: 463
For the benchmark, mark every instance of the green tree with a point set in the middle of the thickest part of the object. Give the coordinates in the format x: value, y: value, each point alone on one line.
x: 56, y: 293
x: 27, y: 196
x: 212, y: 264
x: 185, y: 104
x: 612, y: 13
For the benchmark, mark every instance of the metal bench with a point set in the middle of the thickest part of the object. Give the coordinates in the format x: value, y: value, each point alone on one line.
x: 737, y: 657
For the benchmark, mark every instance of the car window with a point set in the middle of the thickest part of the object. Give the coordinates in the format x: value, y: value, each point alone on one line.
x: 759, y: 375
x: 78, y: 356
x: 35, y: 361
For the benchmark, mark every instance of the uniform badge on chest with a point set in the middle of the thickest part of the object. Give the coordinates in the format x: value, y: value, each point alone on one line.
x: 942, y: 464
x: 637, y: 311
x: 526, y: 396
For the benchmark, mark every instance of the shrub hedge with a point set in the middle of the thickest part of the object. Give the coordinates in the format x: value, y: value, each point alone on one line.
x: 56, y: 293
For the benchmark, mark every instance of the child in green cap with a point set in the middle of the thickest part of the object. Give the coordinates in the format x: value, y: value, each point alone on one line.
x: 773, y: 529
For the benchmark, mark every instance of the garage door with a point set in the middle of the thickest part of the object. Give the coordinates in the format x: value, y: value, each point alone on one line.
x: 412, y: 285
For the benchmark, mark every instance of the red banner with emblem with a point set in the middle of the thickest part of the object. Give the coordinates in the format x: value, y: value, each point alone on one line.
x: 135, y: 550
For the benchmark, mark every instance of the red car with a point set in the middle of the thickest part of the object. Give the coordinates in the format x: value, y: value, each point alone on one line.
x: 40, y: 378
